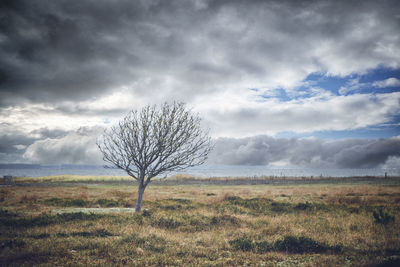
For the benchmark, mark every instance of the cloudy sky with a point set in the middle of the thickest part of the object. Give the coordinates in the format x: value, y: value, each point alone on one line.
x: 299, y: 83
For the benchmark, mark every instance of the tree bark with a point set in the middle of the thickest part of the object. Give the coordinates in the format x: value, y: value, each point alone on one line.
x: 138, y: 207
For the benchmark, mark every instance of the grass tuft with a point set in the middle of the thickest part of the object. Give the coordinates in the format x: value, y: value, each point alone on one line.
x: 277, y: 225
x: 167, y: 223
x: 289, y: 243
x: 300, y: 244
x: 382, y: 217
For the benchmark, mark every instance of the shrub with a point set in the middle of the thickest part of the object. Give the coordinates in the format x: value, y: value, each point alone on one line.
x: 303, y: 206
x: 77, y: 203
x: 242, y: 243
x: 381, y: 217
x: 280, y: 207
x: 263, y: 246
x: 107, y: 202
x: 146, y: 213
x: 301, y: 244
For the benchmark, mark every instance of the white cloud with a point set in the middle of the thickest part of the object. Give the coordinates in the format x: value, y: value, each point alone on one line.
x: 390, y: 82
x: 246, y: 113
x: 238, y: 117
x: 75, y: 148
x: 20, y: 147
x: 205, y: 53
x: 79, y: 148
x: 67, y: 116
x: 393, y: 162
x: 354, y: 85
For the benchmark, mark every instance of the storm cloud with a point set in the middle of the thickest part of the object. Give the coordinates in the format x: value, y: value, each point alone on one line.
x: 54, y: 51
x: 307, y: 153
x: 69, y: 67
x: 79, y: 147
x: 13, y: 142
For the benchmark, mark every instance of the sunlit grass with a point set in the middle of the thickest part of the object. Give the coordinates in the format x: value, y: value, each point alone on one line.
x: 182, y: 178
x: 201, y: 225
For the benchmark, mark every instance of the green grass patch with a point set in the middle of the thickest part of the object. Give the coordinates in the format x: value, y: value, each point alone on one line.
x: 167, y: 222
x: 382, y: 217
x: 194, y: 223
x: 266, y: 206
x: 107, y: 202
x: 59, y: 202
x: 254, y: 226
x: 96, y: 233
x: 171, y: 204
x: 152, y: 242
x: 19, y: 221
x: 289, y: 243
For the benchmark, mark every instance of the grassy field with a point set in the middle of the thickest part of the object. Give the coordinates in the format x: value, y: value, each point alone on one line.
x: 200, y: 225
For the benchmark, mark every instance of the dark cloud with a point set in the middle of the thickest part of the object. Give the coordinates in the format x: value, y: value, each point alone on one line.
x: 314, y: 153
x: 258, y: 150
x: 44, y: 133
x: 79, y: 147
x: 53, y: 49
x: 11, y: 138
x: 68, y: 64
x: 13, y: 142
x: 61, y: 50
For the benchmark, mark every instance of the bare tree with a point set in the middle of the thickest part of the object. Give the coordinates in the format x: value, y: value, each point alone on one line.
x: 153, y: 141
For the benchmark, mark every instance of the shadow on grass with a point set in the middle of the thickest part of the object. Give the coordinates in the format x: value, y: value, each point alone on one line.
x: 291, y: 244
x: 16, y: 221
x: 96, y: 233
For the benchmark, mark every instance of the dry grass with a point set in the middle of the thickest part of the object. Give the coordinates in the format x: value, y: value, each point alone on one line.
x: 198, y: 225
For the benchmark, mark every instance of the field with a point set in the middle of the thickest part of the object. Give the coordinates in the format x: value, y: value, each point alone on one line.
x: 92, y: 223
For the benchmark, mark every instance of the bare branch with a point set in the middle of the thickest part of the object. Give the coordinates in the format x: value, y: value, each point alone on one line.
x: 156, y: 140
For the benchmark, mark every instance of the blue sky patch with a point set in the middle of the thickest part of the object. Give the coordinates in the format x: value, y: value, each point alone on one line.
x: 371, y: 82
x: 378, y: 81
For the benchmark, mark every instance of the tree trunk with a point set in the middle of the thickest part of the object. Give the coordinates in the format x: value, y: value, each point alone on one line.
x: 139, y: 197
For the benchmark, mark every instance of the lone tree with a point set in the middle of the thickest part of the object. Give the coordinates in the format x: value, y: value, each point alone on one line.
x: 155, y: 140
